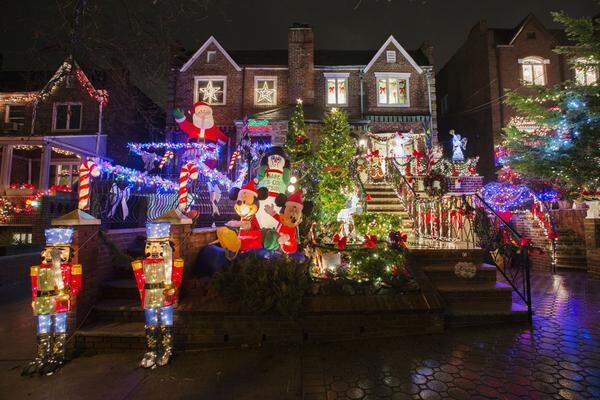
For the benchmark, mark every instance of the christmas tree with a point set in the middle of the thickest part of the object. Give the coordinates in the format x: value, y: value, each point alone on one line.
x: 297, y: 143
x: 332, y: 159
x: 563, y: 148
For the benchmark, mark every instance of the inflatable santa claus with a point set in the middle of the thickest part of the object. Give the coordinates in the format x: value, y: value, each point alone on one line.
x: 202, y: 127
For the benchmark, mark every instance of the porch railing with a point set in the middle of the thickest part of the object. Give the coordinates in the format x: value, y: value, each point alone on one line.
x: 467, y: 219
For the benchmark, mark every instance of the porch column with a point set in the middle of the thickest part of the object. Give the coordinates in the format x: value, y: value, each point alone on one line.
x: 6, y: 167
x: 45, y: 167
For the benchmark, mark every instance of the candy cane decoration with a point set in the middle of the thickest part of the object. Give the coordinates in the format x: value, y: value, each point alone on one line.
x: 188, y: 171
x: 167, y: 156
x: 234, y: 157
x: 85, y: 170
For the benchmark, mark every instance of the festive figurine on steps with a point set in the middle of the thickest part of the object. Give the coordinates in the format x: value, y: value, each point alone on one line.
x: 459, y: 144
x: 158, y: 278
x: 54, y: 283
x: 287, y: 223
x: 274, y: 174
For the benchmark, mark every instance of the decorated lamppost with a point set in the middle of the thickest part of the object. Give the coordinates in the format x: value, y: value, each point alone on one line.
x: 54, y: 284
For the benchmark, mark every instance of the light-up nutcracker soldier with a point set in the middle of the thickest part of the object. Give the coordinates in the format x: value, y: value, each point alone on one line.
x: 54, y: 283
x: 158, y: 278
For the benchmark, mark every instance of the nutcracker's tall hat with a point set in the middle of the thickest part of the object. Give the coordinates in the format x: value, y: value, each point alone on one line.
x: 158, y: 230
x: 59, y: 236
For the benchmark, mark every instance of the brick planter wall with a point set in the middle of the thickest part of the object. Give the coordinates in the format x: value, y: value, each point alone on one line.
x: 527, y: 227
x: 466, y: 184
x: 592, y: 244
x: 570, y: 219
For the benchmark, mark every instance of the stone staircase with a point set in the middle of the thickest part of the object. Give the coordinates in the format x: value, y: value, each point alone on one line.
x: 570, y: 251
x: 385, y: 200
x: 483, y: 299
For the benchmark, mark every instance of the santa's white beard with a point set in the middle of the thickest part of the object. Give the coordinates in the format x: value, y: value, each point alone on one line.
x: 203, y: 121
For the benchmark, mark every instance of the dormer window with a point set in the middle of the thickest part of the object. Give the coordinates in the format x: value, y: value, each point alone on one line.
x: 586, y: 72
x: 66, y: 116
x: 336, y: 88
x: 392, y: 89
x: 533, y: 70
x: 211, y: 56
x: 390, y: 56
x: 530, y: 35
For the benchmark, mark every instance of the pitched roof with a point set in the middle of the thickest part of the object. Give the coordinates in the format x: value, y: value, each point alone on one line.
x: 503, y: 36
x: 392, y: 40
x: 211, y: 40
x: 279, y: 57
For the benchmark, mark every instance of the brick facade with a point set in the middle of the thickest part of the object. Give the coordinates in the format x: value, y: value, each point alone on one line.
x: 301, y: 72
x: 488, y: 65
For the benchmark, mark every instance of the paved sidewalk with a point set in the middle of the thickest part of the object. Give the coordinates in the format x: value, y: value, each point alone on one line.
x: 559, y: 358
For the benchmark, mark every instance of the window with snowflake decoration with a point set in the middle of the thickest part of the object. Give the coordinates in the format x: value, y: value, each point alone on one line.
x: 265, y: 90
x: 586, y: 72
x: 392, y: 89
x: 336, y: 90
x: 210, y: 89
x: 533, y: 70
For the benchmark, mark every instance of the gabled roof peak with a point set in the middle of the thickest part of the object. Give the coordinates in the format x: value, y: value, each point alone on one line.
x: 392, y: 40
x: 211, y: 40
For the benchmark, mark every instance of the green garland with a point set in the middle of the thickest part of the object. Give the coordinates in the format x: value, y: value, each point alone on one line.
x: 378, y: 224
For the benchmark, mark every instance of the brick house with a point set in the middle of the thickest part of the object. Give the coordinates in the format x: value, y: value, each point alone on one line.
x: 49, y: 120
x: 472, y: 85
x: 385, y: 90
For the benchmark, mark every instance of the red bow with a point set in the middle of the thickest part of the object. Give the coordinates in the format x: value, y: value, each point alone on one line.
x: 368, y: 197
x: 370, y: 241
x: 340, y: 241
x: 417, y: 154
x: 374, y: 153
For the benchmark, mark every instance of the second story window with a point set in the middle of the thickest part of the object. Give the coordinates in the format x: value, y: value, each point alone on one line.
x: 337, y: 89
x: 586, y: 73
x: 210, y: 89
x: 265, y: 90
x: 392, y: 89
x: 66, y: 117
x: 15, y: 114
x: 533, y: 70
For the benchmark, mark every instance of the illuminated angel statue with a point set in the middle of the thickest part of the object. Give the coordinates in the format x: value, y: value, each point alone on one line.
x: 459, y: 144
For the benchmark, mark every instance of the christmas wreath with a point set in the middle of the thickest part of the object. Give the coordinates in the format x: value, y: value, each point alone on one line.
x: 436, y: 184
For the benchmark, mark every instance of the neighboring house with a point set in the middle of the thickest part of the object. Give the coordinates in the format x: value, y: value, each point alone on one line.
x: 472, y: 85
x: 383, y: 91
x: 51, y: 120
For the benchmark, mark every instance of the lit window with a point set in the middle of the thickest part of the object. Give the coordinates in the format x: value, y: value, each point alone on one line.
x: 586, y: 72
x: 265, y: 90
x: 15, y: 114
x: 67, y: 117
x: 210, y: 89
x: 337, y: 89
x: 392, y: 89
x: 67, y: 174
x: 534, y: 72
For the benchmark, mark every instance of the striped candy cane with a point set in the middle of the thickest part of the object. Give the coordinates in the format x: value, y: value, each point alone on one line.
x: 234, y: 157
x: 168, y: 155
x: 85, y: 170
x: 188, y: 171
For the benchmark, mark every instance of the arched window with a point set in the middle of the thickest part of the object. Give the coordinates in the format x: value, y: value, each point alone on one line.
x: 586, y: 72
x: 533, y: 70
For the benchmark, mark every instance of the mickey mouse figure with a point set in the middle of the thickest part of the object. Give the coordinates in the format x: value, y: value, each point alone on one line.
x: 287, y: 223
x: 246, y: 206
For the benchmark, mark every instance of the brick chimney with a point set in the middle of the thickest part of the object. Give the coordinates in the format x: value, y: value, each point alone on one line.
x: 301, y: 45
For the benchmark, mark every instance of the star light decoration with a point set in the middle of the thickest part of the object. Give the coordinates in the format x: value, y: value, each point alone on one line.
x: 210, y: 93
x: 265, y: 94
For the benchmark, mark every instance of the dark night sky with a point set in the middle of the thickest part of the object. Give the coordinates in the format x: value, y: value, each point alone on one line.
x: 262, y: 24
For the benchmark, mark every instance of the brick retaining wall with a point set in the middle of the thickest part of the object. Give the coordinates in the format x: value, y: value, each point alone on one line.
x: 526, y: 226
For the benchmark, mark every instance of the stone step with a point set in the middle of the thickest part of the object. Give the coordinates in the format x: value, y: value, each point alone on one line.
x: 385, y: 207
x: 377, y: 188
x: 445, y: 256
x: 463, y: 318
x: 110, y: 337
x: 444, y: 273
x: 571, y: 266
x: 476, y: 297
x: 118, y: 310
x: 402, y: 212
x: 120, y: 289
x: 384, y: 200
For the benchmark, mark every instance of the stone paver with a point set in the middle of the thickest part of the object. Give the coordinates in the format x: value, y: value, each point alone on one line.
x: 558, y: 359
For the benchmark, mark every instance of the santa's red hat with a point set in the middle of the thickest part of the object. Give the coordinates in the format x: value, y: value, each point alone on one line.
x: 295, y: 199
x: 249, y: 187
x: 198, y: 104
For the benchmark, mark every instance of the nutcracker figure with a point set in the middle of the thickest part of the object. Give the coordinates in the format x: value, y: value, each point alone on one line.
x: 54, y: 283
x: 158, y: 278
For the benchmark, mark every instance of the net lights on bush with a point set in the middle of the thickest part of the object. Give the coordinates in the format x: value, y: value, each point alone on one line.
x: 505, y: 196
